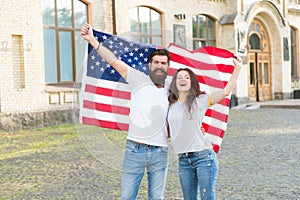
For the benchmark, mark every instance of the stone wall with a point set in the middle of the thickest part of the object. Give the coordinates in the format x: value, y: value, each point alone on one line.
x: 33, y: 120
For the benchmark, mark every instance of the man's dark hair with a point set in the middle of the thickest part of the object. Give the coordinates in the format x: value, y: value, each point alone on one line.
x: 160, y: 52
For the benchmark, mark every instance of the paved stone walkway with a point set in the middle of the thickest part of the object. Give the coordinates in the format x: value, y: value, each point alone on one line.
x: 259, y: 160
x: 260, y: 155
x: 287, y: 104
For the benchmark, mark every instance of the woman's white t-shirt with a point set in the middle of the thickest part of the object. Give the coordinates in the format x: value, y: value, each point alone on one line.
x: 185, y: 127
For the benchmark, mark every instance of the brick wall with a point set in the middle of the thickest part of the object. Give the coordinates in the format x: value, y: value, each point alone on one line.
x: 24, y: 96
x: 22, y: 69
x: 22, y: 75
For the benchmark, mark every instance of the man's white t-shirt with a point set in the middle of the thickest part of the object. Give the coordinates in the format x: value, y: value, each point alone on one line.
x: 185, y: 127
x: 148, y: 110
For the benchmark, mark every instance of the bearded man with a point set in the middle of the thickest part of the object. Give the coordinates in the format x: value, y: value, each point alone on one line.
x: 147, y: 140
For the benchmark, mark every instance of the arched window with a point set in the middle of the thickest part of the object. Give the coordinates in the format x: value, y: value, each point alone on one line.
x: 257, y: 37
x: 204, y: 31
x: 63, y: 47
x: 254, y: 42
x: 146, y: 25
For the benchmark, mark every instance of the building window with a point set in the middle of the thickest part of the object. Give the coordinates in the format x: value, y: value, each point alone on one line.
x: 146, y: 25
x: 294, y: 53
x: 258, y: 38
x: 64, y: 49
x: 204, y: 31
x: 254, y: 42
x: 18, y: 61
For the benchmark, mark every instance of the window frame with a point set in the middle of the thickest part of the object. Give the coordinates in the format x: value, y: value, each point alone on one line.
x: 139, y: 34
x: 294, y: 56
x: 198, y: 37
x: 57, y: 29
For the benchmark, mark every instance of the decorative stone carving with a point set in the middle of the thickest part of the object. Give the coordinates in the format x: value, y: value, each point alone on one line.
x: 219, y: 1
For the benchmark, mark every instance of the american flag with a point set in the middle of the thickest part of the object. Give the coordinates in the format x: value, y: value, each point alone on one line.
x: 105, y: 96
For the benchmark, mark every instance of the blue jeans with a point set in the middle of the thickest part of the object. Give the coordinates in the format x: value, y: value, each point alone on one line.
x: 137, y: 158
x: 198, y: 170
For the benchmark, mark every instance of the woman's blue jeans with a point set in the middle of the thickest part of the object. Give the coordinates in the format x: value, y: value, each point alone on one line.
x: 198, y: 170
x: 137, y: 158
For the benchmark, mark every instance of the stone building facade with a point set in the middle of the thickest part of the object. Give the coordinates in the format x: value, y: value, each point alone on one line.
x: 264, y: 32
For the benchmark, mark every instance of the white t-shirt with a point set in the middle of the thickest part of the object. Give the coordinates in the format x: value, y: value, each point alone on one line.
x: 148, y: 110
x: 185, y: 128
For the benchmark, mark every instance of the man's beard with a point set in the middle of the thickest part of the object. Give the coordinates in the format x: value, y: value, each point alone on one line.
x: 158, y: 79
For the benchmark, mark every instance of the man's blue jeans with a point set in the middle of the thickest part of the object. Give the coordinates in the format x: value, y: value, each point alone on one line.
x: 198, y: 169
x: 137, y: 158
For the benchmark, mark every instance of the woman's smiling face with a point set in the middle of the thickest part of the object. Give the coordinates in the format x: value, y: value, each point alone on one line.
x: 183, y: 81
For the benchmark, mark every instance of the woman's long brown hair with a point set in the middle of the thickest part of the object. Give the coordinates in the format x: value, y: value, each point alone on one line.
x: 193, y: 93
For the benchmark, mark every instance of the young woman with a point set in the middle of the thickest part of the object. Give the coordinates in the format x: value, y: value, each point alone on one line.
x: 198, y: 164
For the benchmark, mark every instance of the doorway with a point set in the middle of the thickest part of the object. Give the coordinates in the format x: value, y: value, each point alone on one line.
x: 258, y: 59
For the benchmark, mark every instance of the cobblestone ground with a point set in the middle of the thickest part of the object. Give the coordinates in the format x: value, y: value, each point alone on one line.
x: 260, y: 155
x: 259, y: 160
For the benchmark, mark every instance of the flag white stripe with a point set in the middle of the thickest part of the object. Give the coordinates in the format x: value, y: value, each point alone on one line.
x: 209, y: 73
x: 106, y: 84
x: 106, y: 99
x: 105, y: 116
x: 214, y: 139
x: 220, y: 108
x: 202, y: 57
x: 203, y: 87
x: 215, y: 122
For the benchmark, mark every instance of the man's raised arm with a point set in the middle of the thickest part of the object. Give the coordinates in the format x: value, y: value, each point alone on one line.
x: 106, y: 54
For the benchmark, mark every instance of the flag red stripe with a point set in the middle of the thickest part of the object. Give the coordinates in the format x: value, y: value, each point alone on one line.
x: 213, y: 130
x: 216, y: 115
x: 205, y: 80
x: 107, y: 92
x: 106, y: 108
x: 200, y: 65
x: 224, y: 102
x: 222, y: 53
x: 105, y: 124
x: 216, y: 148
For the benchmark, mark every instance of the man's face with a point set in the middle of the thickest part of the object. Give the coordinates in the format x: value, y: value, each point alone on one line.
x: 159, y: 69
